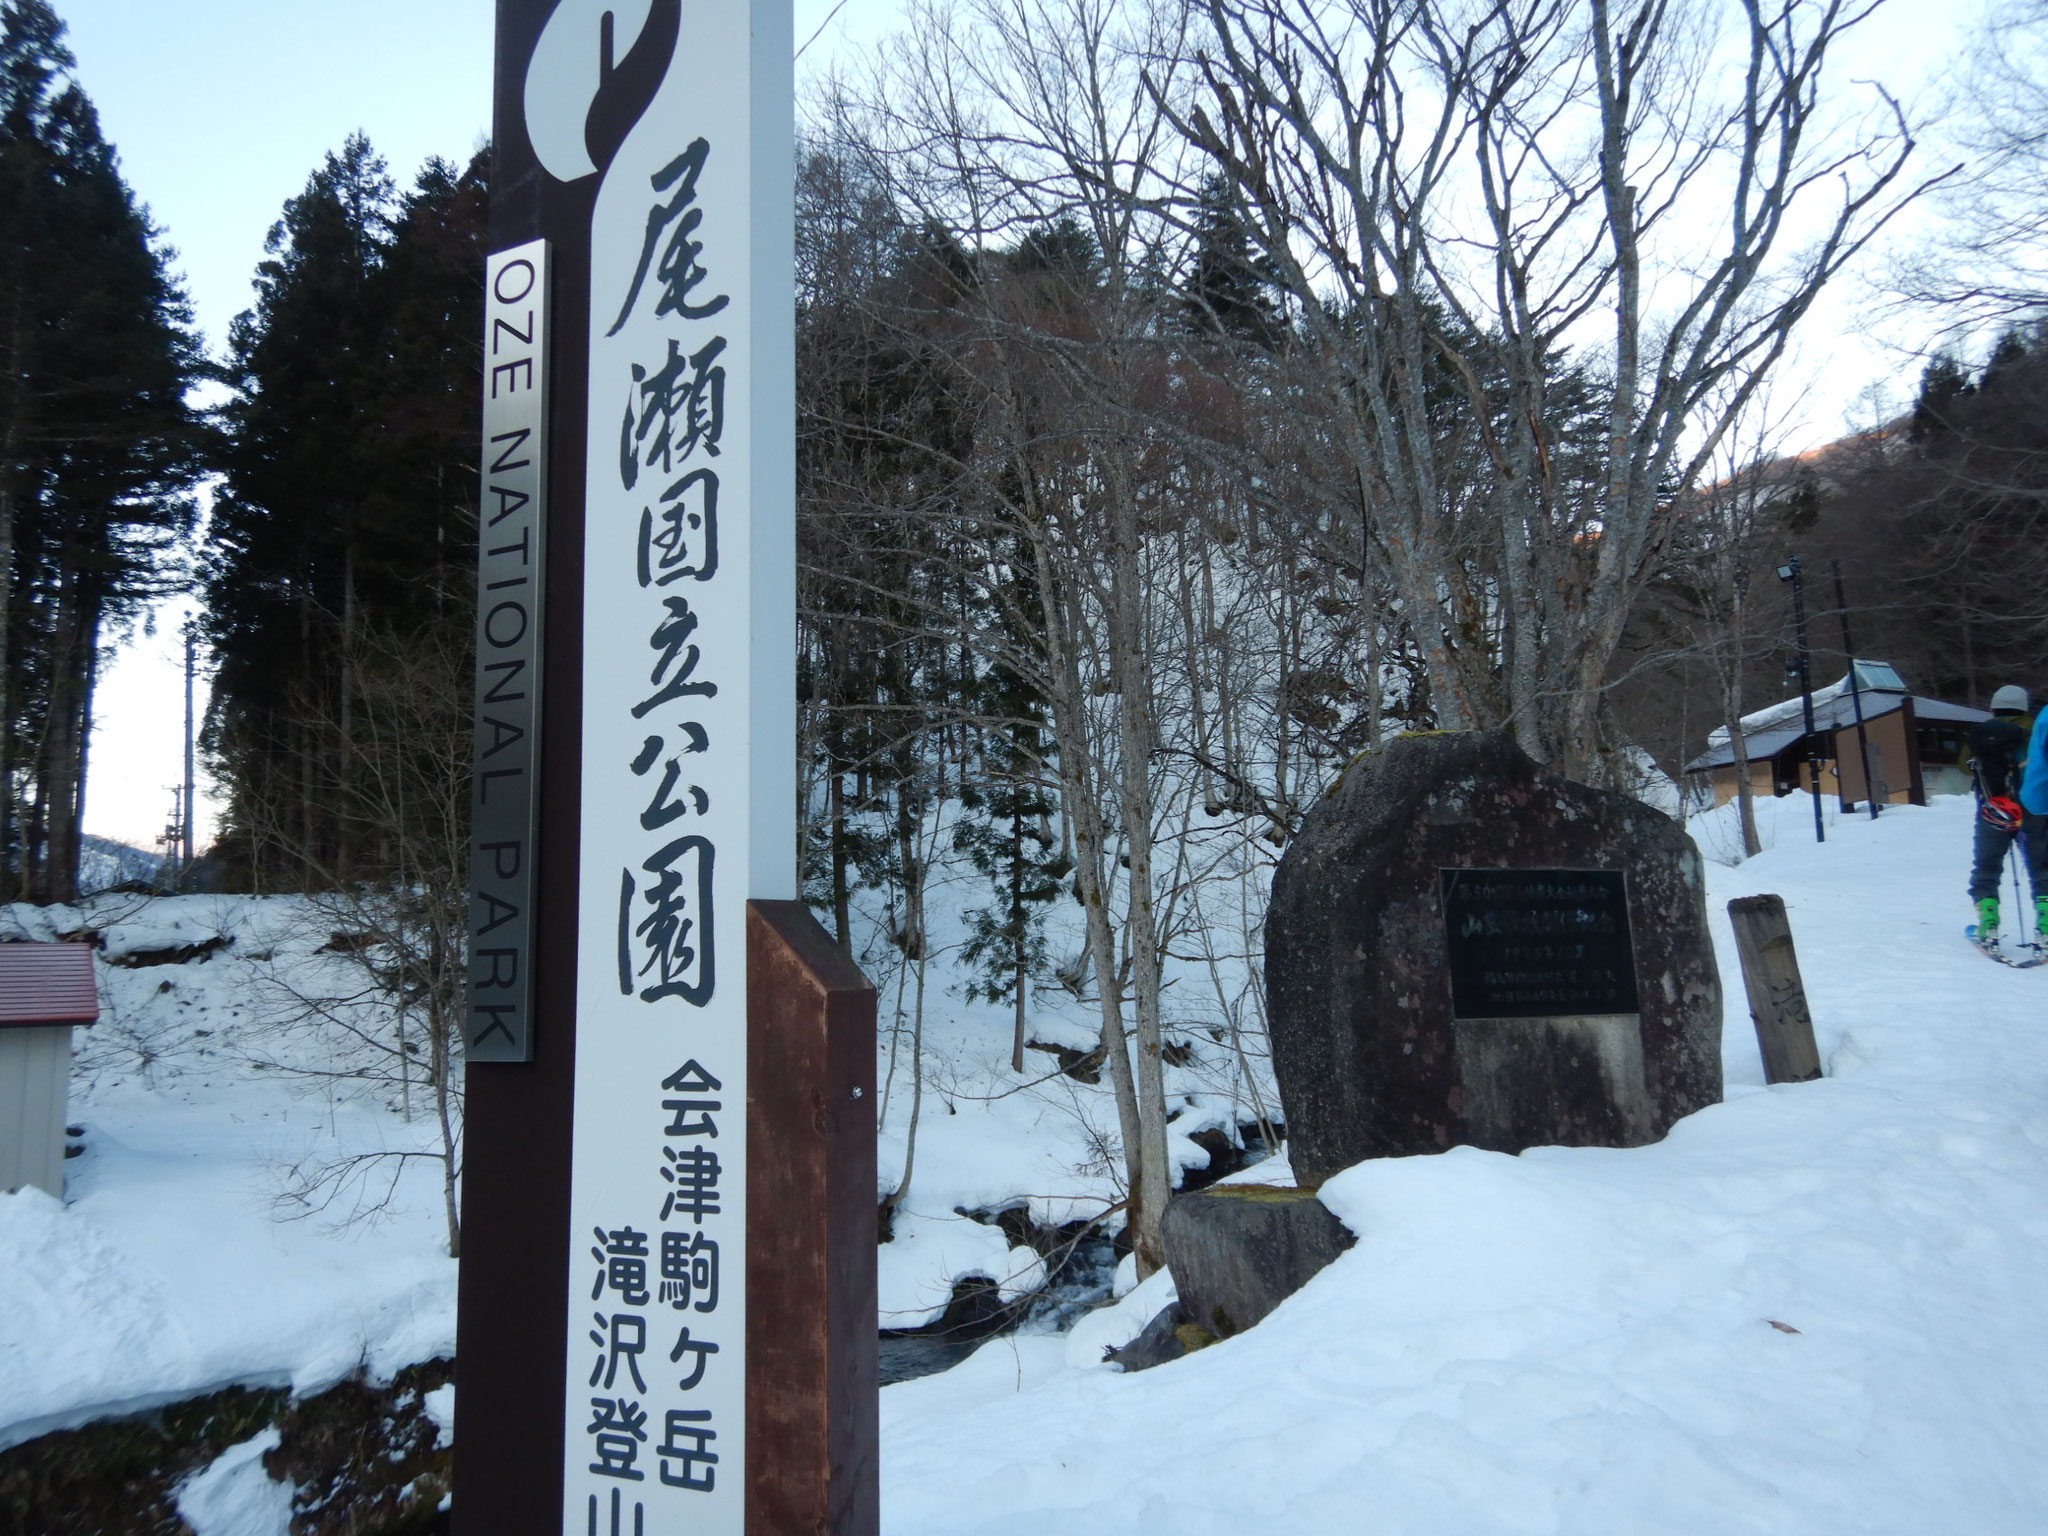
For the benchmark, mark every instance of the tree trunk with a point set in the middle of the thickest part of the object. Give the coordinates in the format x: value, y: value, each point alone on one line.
x: 13, y: 870
x: 442, y: 1029
x: 345, y: 744
x: 1083, y: 816
x: 1018, y: 950
x: 1745, y: 790
x: 61, y: 761
x: 1132, y: 675
x: 74, y: 851
x: 896, y: 1196
x: 842, y: 919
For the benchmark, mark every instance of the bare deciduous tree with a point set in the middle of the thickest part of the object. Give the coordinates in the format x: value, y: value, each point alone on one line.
x: 1024, y: 121
x: 1480, y: 207
x: 383, y: 1014
x: 1986, y: 265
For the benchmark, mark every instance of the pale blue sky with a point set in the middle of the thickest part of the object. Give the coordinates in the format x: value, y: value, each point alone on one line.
x: 220, y: 109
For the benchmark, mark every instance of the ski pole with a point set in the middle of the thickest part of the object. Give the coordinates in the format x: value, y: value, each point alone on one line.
x: 2019, y: 898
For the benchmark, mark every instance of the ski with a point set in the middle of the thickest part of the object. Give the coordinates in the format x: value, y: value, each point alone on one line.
x: 1993, y: 950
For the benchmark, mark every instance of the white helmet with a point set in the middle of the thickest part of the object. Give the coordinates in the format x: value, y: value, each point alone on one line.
x: 2012, y: 697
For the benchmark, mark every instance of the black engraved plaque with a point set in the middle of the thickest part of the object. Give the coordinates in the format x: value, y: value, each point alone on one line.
x: 1538, y: 943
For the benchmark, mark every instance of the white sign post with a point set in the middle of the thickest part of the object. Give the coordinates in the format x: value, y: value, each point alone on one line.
x: 687, y: 737
x: 650, y: 145
x: 688, y: 766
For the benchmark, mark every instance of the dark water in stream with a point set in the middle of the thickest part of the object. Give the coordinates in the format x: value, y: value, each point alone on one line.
x: 1082, y: 1272
x: 1082, y: 1269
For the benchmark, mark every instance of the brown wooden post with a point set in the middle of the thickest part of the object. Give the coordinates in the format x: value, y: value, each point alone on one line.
x: 513, y: 1294
x: 813, y: 1452
x: 1777, y: 997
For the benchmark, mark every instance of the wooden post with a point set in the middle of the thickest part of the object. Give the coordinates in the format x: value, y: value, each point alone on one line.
x: 1777, y: 997
x: 813, y: 1376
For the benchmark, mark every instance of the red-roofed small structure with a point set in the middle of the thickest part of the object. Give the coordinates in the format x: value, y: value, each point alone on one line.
x: 47, y: 984
x: 45, y: 989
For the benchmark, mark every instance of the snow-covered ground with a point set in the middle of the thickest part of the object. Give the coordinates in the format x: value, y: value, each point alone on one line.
x: 169, y: 1271
x: 1812, y: 1308
x: 988, y: 1139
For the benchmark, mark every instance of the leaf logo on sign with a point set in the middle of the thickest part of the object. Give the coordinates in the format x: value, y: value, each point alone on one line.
x: 595, y: 68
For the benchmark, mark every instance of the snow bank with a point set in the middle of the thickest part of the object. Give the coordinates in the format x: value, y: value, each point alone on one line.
x: 169, y: 1272
x: 1779, y: 820
x: 928, y: 1256
x: 234, y: 1495
x: 1115, y: 1326
x: 1811, y: 1308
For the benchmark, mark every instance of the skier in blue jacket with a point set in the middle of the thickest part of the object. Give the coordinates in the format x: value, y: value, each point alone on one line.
x: 2034, y: 788
x: 2010, y: 761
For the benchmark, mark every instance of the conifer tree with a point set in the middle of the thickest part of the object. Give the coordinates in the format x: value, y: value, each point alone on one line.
x: 348, y: 503
x: 1006, y: 833
x: 98, y: 449
x: 1232, y: 290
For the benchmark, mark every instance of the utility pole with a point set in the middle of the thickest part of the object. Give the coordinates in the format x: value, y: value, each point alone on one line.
x: 173, y: 839
x: 1803, y: 664
x: 185, y: 829
x: 1855, y: 694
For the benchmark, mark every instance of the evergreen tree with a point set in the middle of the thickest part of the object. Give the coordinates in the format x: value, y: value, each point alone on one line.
x: 1006, y: 833
x: 348, y: 502
x: 881, y: 438
x: 1232, y: 290
x: 98, y: 449
x: 1943, y: 382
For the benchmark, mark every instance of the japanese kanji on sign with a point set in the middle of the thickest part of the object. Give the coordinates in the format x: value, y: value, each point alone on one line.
x: 626, y: 1324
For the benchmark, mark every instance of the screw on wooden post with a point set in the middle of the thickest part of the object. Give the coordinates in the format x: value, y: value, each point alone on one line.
x: 1777, y: 997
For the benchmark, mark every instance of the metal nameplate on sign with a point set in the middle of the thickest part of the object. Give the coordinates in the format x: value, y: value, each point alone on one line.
x: 1538, y: 943
x: 511, y: 545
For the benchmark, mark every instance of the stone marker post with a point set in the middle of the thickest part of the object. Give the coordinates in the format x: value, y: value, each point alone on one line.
x: 1465, y: 948
x: 666, y: 1313
x: 1777, y: 997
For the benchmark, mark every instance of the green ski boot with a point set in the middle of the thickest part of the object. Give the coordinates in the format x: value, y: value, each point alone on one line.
x: 1987, y: 920
x: 2041, y: 919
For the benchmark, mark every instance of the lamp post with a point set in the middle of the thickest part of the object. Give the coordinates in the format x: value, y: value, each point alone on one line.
x: 1790, y: 573
x: 184, y: 851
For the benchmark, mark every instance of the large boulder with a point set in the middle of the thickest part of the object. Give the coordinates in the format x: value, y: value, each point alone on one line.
x: 1159, y: 1342
x: 1586, y: 1008
x: 1238, y: 1250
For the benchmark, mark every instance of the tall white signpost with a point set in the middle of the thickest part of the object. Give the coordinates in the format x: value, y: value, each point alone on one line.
x: 642, y: 312
x: 688, y: 772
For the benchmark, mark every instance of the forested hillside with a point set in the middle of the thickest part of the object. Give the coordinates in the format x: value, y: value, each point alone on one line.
x: 1934, y: 522
x: 1145, y: 475
x: 1192, y: 398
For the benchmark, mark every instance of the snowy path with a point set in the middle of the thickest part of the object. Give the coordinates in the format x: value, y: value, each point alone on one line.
x: 1582, y: 1341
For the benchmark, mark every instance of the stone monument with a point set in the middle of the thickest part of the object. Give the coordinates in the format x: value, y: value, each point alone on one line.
x: 1465, y: 948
